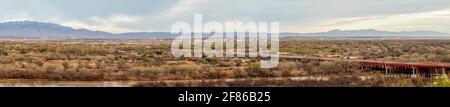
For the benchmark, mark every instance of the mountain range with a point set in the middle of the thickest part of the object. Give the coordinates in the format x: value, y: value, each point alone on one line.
x: 40, y: 30
x: 370, y: 32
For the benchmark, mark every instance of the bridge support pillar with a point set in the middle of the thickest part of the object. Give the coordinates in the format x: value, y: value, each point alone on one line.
x: 443, y: 72
x: 387, y: 70
x: 385, y: 67
x: 413, y: 72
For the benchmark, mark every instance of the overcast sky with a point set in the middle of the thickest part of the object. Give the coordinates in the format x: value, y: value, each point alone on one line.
x: 294, y: 15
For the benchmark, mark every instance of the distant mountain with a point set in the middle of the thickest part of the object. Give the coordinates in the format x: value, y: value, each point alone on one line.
x: 39, y: 30
x: 368, y: 32
x: 148, y: 35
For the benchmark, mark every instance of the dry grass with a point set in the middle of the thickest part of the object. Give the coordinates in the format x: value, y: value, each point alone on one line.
x: 62, y: 61
x: 340, y: 81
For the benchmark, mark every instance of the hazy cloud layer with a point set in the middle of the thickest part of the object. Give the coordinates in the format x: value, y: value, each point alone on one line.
x: 293, y: 15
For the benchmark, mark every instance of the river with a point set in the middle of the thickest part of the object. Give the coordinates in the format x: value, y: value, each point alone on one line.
x: 48, y: 83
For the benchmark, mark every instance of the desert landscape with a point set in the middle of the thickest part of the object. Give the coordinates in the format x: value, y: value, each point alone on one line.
x: 171, y: 43
x: 148, y: 63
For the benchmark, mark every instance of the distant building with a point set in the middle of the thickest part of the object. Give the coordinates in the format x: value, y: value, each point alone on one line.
x: 334, y: 56
x: 350, y: 57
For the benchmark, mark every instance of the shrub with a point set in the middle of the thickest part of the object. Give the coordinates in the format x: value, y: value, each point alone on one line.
x: 32, y: 67
x: 240, y: 73
x: 81, y: 66
x: 110, y: 69
x: 225, y: 64
x: 311, y: 67
x: 147, y: 72
x: 183, y: 71
x: 38, y: 61
x: 442, y: 82
x: 286, y: 68
x: 215, y: 74
x: 255, y: 70
x: 122, y: 64
x: 53, y: 68
x: 213, y: 60
x: 445, y: 58
x: 66, y: 64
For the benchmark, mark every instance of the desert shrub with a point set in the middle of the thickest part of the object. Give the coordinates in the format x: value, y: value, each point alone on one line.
x: 379, y: 80
x: 183, y: 68
x: 201, y: 61
x: 225, y: 63
x: 32, y: 67
x: 421, y: 82
x: 394, y: 82
x: 53, y: 68
x: 442, y: 82
x: 147, y: 72
x: 122, y: 64
x: 239, y: 63
x: 38, y: 61
x: 3, y: 52
x: 6, y: 61
x: 24, y: 50
x: 183, y: 71
x: 286, y: 68
x: 110, y: 69
x: 83, y: 75
x: 255, y: 70
x: 90, y: 66
x: 7, y: 68
x: 100, y: 64
x: 214, y: 73
x: 330, y: 67
x: 55, y: 57
x: 158, y: 61
x: 444, y: 58
x: 213, y: 60
x: 327, y: 67
x: 66, y: 64
x: 240, y: 73
x: 311, y: 67
x: 81, y: 66
x: 345, y: 81
x: 10, y: 71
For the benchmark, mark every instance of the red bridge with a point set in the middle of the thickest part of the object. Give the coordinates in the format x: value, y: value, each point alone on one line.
x: 425, y: 69
x: 415, y: 69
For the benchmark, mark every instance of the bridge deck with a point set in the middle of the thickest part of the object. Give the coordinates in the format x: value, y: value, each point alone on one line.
x: 375, y: 63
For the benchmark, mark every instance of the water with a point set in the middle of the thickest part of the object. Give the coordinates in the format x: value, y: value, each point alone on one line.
x: 48, y: 83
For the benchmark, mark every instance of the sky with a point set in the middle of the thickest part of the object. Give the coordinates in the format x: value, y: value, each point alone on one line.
x: 303, y: 16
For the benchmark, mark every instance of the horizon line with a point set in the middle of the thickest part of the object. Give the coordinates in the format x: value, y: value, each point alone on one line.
x: 335, y: 29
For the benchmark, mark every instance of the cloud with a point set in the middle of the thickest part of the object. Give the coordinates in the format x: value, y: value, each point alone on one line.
x: 345, y: 21
x: 182, y: 7
x: 18, y: 16
x: 437, y: 20
x: 113, y: 23
x: 115, y: 19
x: 97, y: 27
x: 293, y: 15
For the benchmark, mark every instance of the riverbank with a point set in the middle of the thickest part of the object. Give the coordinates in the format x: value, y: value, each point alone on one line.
x: 302, y: 81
